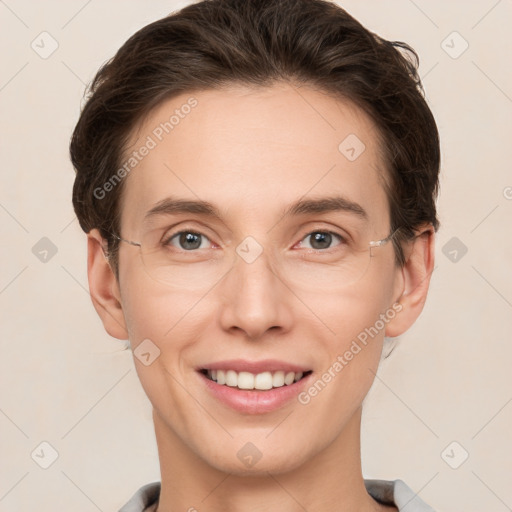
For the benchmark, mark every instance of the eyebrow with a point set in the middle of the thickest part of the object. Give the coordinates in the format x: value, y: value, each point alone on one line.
x: 170, y: 205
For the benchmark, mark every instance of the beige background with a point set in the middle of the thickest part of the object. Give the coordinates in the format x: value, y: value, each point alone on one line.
x: 66, y: 382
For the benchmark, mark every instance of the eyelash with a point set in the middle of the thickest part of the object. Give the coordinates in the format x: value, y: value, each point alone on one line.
x: 343, y: 239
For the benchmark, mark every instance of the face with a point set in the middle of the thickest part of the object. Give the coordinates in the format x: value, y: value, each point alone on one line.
x: 288, y: 293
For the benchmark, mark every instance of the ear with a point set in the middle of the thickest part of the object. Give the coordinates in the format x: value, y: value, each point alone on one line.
x: 104, y: 288
x: 415, y: 280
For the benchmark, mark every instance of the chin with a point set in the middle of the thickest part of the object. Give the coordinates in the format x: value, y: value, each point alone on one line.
x: 256, y: 458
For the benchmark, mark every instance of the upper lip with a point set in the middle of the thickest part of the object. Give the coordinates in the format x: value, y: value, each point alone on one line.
x: 266, y: 365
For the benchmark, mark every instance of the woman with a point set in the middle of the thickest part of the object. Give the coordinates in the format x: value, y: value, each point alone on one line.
x: 257, y: 180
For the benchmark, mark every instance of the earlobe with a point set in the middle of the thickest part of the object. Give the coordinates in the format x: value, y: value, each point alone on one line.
x: 415, y: 279
x: 104, y: 289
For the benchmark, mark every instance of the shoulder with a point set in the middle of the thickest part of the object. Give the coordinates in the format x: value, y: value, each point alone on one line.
x: 144, y: 500
x: 398, y: 493
x: 387, y: 492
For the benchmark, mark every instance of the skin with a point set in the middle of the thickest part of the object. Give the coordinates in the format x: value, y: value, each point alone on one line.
x: 251, y: 152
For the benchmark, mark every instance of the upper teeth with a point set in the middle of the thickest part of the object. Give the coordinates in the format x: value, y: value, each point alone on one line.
x: 246, y: 380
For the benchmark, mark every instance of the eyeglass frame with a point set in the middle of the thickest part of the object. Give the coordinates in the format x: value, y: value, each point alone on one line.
x: 371, y: 244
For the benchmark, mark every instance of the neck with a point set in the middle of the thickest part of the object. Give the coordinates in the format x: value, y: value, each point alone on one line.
x: 332, y: 481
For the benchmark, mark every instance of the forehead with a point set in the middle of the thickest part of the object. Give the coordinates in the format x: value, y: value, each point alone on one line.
x: 253, y: 151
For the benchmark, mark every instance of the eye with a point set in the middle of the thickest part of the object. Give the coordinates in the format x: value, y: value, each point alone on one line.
x: 187, y: 240
x: 321, y: 240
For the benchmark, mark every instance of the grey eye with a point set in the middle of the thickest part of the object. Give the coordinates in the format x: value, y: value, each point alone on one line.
x: 188, y: 240
x: 321, y: 239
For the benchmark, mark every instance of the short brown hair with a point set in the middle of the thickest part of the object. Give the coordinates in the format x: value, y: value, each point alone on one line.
x: 257, y: 42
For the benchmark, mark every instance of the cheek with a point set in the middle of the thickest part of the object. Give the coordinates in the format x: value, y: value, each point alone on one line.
x: 356, y: 320
x: 160, y: 322
x: 357, y: 344
x: 346, y: 312
x: 351, y: 356
x: 152, y: 310
x: 160, y: 314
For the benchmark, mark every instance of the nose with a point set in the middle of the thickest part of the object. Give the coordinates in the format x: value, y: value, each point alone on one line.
x: 254, y: 299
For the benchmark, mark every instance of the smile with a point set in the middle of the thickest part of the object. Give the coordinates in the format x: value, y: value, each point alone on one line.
x: 249, y: 381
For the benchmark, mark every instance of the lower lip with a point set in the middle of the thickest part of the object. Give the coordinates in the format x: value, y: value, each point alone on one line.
x: 255, y: 402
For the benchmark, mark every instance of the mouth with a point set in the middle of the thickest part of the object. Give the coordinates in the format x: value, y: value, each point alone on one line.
x: 254, y: 387
x: 249, y: 381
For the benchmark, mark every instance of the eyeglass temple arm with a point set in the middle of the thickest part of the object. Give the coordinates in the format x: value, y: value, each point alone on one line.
x: 378, y: 243
x: 137, y: 244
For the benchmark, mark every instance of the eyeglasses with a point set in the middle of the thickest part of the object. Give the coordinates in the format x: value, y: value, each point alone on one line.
x: 309, y: 268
